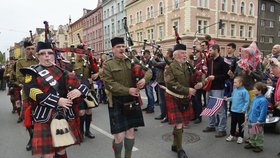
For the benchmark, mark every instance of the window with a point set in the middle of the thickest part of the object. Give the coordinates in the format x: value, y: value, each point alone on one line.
x: 113, y: 28
x: 200, y: 26
x: 152, y: 12
x: 160, y: 8
x: 241, y: 31
x: 262, y: 23
x: 232, y: 30
x: 272, y: 8
x: 202, y: 3
x: 140, y: 14
x: 242, y: 8
x: 107, y: 12
x: 160, y: 32
x: 223, y: 30
x: 122, y: 6
x: 109, y: 29
x: 176, y: 4
x: 119, y: 26
x: 250, y: 32
x: 112, y: 10
x: 271, y: 24
x: 262, y: 39
x: 176, y: 23
x: 263, y: 7
x: 119, y: 9
x: 130, y: 20
x: 233, y: 6
x: 270, y: 40
x: 251, y: 9
x: 224, y: 5
x: 104, y: 14
x: 148, y: 13
x: 150, y: 33
x: 139, y: 36
x: 138, y: 17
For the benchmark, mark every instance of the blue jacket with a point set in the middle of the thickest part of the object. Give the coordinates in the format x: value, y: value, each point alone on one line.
x: 258, y: 110
x: 240, y: 100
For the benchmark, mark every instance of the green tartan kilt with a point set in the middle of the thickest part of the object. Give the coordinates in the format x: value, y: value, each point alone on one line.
x: 119, y: 122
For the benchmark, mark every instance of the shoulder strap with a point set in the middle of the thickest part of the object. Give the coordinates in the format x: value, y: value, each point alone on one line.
x: 44, y: 73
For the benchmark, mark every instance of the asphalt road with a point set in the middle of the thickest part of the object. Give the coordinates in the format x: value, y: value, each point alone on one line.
x: 152, y: 141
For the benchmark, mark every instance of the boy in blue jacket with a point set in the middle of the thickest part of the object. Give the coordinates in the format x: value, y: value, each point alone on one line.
x: 256, y: 118
x: 240, y: 101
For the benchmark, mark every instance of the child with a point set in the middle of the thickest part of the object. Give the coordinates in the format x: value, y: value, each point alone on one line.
x: 256, y: 118
x: 240, y: 101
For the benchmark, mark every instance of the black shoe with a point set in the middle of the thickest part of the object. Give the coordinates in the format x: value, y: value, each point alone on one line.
x: 249, y: 146
x: 89, y: 135
x: 221, y: 134
x: 257, y: 150
x: 209, y: 129
x: 29, y: 145
x: 164, y: 120
x: 19, y: 120
x: 278, y: 154
x: 174, y: 148
x: 182, y: 154
x: 13, y: 111
x: 145, y: 109
x: 197, y: 121
x: 150, y: 111
x: 159, y: 117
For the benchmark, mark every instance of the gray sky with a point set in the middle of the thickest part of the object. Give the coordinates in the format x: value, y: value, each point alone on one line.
x: 17, y: 17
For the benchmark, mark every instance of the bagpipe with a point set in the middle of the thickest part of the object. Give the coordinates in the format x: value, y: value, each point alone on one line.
x: 138, y: 69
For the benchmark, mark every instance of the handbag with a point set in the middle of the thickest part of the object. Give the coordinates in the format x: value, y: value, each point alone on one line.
x: 208, y: 83
x: 91, y: 100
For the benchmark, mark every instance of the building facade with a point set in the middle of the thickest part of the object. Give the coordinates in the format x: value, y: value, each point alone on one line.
x: 75, y: 28
x: 269, y: 25
x: 93, y: 29
x: 154, y: 20
x: 113, y: 14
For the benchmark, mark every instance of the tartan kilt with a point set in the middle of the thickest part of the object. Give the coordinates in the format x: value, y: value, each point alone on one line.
x: 42, y: 140
x: 175, y: 116
x: 120, y: 122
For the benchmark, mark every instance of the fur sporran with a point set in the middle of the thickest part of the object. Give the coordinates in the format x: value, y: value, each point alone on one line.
x: 60, y: 131
x: 183, y: 103
x: 128, y: 104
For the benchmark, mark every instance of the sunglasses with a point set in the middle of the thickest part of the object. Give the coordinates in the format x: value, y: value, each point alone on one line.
x: 44, y: 53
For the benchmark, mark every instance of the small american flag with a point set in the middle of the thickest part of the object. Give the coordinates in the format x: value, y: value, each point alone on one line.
x: 214, y: 104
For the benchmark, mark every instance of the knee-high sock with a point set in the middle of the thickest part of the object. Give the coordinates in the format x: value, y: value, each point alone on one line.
x: 179, y: 135
x: 174, y: 137
x: 128, y: 145
x: 82, y: 123
x: 117, y: 149
x: 18, y: 110
x: 88, y: 121
x: 30, y: 132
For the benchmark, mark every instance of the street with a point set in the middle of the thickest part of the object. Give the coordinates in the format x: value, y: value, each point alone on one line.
x: 152, y: 141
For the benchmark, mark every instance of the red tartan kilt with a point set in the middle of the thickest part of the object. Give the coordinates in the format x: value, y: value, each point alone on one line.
x: 175, y: 116
x: 42, y: 139
x: 17, y: 93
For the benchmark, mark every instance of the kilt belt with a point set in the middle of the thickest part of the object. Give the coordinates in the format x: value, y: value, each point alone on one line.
x: 175, y: 94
